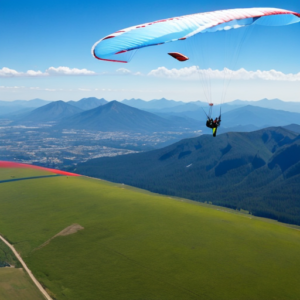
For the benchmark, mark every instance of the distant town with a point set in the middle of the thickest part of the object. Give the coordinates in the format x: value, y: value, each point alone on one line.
x: 42, y: 146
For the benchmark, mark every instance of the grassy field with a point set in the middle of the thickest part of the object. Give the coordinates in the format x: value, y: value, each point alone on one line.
x: 13, y: 173
x: 16, y: 285
x: 138, y: 245
x: 6, y: 256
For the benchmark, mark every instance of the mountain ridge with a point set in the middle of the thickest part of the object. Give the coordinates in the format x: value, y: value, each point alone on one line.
x: 253, y: 171
x: 88, y: 103
x: 116, y: 116
x: 51, y: 112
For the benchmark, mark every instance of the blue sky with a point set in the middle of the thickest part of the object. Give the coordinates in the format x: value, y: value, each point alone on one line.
x: 48, y: 35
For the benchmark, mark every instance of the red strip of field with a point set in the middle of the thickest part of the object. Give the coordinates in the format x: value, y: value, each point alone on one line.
x: 9, y: 164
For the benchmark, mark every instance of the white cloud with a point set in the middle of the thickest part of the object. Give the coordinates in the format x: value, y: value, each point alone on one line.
x: 194, y: 73
x: 123, y: 71
x: 60, y: 71
x: 6, y: 72
x: 187, y: 73
x: 67, y: 71
x: 32, y: 73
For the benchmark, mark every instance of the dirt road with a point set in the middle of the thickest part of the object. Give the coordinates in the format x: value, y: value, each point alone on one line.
x: 26, y: 269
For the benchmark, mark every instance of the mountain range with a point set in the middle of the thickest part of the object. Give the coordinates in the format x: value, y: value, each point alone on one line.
x: 155, y: 104
x: 158, y: 105
x: 269, y: 103
x: 21, y: 106
x: 170, y: 106
x: 116, y: 116
x: 293, y: 127
x: 54, y: 111
x: 237, y: 115
x: 256, y: 171
x: 19, y: 109
x: 259, y: 117
x: 88, y: 103
x: 174, y: 115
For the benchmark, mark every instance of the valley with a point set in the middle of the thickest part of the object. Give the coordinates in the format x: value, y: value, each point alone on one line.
x: 43, y: 146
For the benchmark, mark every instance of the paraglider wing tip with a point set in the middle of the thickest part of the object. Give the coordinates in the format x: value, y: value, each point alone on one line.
x: 210, y: 104
x: 178, y: 56
x: 112, y: 60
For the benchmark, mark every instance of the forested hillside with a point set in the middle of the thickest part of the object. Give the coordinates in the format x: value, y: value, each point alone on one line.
x: 257, y: 171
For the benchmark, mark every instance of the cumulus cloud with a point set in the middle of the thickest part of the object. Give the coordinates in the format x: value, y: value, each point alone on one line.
x: 60, y: 71
x: 32, y: 73
x: 6, y: 72
x: 124, y: 71
x: 187, y: 73
x: 67, y: 71
x: 194, y: 73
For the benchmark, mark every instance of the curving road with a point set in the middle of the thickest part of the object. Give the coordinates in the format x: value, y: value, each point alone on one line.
x: 39, y: 286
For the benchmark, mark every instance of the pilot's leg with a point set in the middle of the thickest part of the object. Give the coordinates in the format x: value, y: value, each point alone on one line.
x: 214, y: 131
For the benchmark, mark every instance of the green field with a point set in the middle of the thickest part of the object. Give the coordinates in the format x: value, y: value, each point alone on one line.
x: 138, y: 245
x: 7, y: 257
x: 16, y: 285
x: 13, y: 173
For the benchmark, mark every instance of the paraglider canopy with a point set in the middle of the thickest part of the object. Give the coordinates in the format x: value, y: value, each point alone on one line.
x: 120, y: 46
